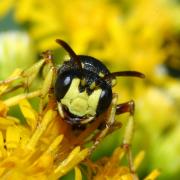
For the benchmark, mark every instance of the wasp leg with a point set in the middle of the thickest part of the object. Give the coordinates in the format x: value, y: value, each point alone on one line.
x: 47, y: 83
x: 9, y: 80
x: 46, y: 87
x: 108, y: 123
x: 126, y: 107
x: 25, y: 78
x: 116, y: 126
x: 123, y: 108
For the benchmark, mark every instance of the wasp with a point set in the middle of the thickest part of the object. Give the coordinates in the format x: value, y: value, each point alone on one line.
x: 83, y: 92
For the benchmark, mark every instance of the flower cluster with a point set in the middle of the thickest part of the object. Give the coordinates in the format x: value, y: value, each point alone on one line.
x: 140, y: 35
x: 32, y: 150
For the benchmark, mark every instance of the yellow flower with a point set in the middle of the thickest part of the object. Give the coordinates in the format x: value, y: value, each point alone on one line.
x: 109, y: 168
x: 33, y: 150
x: 26, y: 152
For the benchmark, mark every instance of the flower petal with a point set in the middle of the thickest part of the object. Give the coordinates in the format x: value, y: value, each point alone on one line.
x: 3, y: 109
x: 29, y: 113
x: 54, y: 144
x: 48, y: 117
x: 75, y: 157
x: 2, y: 149
x: 12, y: 137
x: 6, y: 122
x: 153, y: 175
x: 78, y: 175
x: 138, y: 159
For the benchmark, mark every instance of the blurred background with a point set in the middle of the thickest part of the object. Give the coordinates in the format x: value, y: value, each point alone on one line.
x: 141, y: 35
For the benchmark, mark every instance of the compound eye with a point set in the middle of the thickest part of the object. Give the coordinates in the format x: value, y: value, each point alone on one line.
x: 104, y: 100
x: 63, y: 83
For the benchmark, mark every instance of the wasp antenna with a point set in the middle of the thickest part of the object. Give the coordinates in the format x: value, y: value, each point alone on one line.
x: 124, y: 73
x: 72, y: 54
x: 66, y: 47
x: 109, y: 77
x: 129, y: 73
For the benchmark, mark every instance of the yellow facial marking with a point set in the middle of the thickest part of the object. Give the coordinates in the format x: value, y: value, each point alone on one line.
x: 101, y: 74
x: 81, y: 104
x: 93, y: 101
x: 78, y: 106
x: 93, y: 85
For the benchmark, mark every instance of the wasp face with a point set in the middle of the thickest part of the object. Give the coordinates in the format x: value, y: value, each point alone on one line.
x: 82, y: 93
x: 83, y: 87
